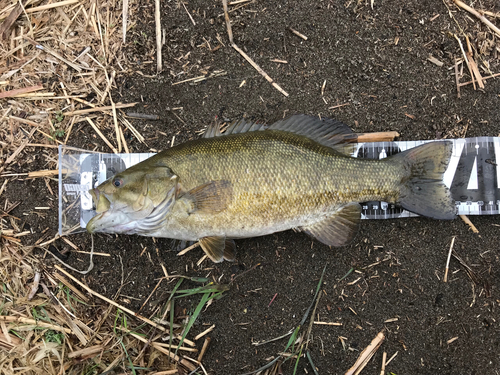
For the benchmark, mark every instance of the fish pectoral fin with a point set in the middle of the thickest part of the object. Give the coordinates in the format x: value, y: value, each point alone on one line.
x: 338, y: 229
x: 214, y: 196
x: 218, y: 248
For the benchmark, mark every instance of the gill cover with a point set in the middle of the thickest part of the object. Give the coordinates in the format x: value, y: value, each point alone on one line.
x: 130, y: 196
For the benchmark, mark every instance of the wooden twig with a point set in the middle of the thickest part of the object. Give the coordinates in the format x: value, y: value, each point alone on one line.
x: 435, y: 61
x: 298, y: 34
x: 339, y: 105
x: 189, y: 14
x: 245, y: 56
x: 469, y: 223
x: 377, y: 137
x: 482, y: 18
x: 445, y: 278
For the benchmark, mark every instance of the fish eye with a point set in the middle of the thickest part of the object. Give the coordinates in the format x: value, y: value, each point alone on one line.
x: 117, y: 182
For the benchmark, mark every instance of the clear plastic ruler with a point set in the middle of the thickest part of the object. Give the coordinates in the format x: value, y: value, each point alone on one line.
x: 472, y: 176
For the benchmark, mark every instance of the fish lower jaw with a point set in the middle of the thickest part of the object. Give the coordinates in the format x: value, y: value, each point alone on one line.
x: 102, y: 223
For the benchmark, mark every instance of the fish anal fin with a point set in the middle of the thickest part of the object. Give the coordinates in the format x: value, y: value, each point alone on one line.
x: 218, y: 248
x: 229, y: 250
x: 214, y: 196
x: 338, y: 229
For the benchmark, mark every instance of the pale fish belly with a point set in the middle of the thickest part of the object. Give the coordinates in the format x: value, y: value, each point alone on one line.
x: 180, y: 225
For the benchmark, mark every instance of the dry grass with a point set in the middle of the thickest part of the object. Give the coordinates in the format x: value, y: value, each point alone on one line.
x: 58, y: 62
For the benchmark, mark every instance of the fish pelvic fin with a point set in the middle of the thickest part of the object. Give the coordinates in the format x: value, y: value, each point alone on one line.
x: 338, y: 229
x: 422, y: 188
x: 218, y: 248
x: 214, y: 196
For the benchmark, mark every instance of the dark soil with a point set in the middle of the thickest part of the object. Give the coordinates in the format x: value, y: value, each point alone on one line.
x: 375, y: 60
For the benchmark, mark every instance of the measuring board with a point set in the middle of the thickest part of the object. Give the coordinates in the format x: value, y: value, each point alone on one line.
x: 472, y: 176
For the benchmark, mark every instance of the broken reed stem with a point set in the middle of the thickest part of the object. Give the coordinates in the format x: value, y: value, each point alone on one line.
x: 160, y: 348
x: 366, y: 354
x: 38, y: 323
x: 101, y: 109
x: 465, y: 59
x: 50, y: 6
x: 115, y: 121
x: 483, y: 78
x: 101, y: 135
x: 208, y: 330
x: 124, y: 19
x: 188, y: 249
x: 159, y: 64
x: 457, y: 78
x: 111, y: 302
x: 204, y: 349
x: 384, y: 358
x: 245, y: 56
x: 482, y: 18
x: 473, y: 64
x: 445, y: 278
x: 16, y: 92
x: 469, y: 223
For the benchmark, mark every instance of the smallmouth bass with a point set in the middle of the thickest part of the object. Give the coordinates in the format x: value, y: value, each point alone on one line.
x: 255, y: 180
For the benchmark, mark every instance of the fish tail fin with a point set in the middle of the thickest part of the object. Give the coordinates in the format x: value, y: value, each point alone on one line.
x: 423, y: 190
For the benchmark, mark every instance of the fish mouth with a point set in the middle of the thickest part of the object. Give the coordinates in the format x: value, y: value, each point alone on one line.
x: 102, y: 205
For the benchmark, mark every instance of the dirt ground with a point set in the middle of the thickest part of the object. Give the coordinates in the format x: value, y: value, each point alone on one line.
x: 376, y: 62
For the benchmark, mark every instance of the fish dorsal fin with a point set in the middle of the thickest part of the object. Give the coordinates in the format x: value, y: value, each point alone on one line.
x: 236, y: 127
x: 212, y: 131
x: 338, y: 229
x: 213, y: 196
x: 218, y: 248
x: 328, y: 132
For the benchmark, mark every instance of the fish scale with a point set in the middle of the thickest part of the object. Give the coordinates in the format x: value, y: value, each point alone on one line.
x: 275, y: 183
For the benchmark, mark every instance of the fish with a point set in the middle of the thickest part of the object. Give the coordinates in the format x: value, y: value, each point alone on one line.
x: 254, y: 180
